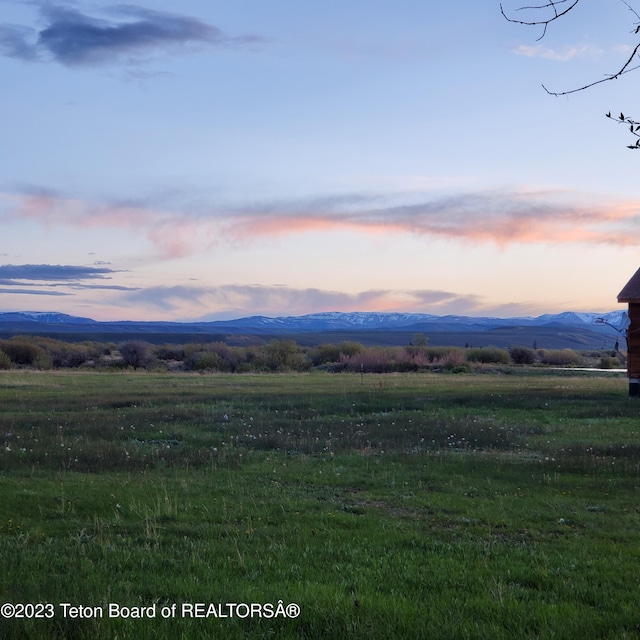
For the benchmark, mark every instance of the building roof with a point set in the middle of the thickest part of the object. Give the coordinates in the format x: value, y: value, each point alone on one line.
x: 631, y: 290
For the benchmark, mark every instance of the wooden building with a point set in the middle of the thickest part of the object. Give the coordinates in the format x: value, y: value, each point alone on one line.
x: 631, y: 294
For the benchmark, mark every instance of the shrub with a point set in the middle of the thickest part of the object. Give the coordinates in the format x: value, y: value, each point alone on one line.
x: 489, y: 355
x: 19, y: 352
x: 206, y: 361
x: 560, y: 357
x: 135, y: 354
x: 417, y: 359
x: 607, y: 362
x: 170, y: 352
x: 376, y: 360
x: 522, y: 355
x: 325, y: 353
x: 63, y: 354
x: 381, y: 360
x: 350, y: 348
x: 43, y: 361
x: 452, y: 359
x: 283, y: 355
x: 5, y: 360
x: 229, y: 357
x: 436, y: 354
x: 216, y: 355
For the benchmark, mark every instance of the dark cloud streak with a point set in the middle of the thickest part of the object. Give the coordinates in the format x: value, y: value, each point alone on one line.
x: 29, y: 278
x: 75, y: 39
x: 10, y: 273
x: 35, y: 292
x: 14, y: 43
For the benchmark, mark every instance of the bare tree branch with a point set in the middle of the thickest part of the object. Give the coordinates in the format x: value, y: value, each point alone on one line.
x: 544, y: 23
x: 624, y: 69
x: 632, y: 11
x: 560, y: 8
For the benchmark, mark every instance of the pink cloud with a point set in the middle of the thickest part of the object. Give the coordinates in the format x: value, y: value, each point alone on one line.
x: 500, y: 217
x: 527, y: 217
x: 55, y: 210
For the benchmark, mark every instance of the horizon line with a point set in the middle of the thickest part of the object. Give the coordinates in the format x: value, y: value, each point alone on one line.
x: 320, y: 313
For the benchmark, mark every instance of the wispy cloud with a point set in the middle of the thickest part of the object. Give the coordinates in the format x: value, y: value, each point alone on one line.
x: 30, y: 278
x: 564, y: 55
x: 502, y: 217
x: 34, y: 292
x: 126, y: 32
x: 231, y: 301
x: 18, y: 272
x: 215, y: 302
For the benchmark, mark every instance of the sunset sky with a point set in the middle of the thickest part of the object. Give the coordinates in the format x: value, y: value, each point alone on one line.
x: 210, y: 159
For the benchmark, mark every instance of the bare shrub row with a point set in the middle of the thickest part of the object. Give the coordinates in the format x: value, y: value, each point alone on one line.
x: 276, y: 355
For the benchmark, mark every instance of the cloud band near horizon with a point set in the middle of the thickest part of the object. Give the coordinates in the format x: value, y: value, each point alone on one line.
x: 235, y: 300
x: 196, y: 302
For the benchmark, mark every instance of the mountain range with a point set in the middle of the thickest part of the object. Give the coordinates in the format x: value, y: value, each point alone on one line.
x: 562, y: 330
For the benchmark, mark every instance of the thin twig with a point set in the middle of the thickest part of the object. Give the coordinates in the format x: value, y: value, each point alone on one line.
x: 544, y: 23
x: 622, y: 71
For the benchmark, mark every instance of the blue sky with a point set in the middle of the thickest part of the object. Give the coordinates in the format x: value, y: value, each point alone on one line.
x: 205, y: 160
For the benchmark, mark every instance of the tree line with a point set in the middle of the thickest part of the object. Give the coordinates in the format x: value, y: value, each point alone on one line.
x: 278, y: 355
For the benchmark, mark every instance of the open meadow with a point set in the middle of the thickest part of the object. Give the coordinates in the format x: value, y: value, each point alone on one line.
x: 157, y: 505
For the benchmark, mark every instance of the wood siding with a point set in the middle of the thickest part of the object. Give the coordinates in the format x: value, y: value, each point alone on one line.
x: 633, y: 337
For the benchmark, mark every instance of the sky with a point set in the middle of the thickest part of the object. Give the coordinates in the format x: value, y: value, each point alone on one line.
x: 214, y: 159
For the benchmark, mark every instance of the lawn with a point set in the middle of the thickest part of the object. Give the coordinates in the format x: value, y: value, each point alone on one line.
x: 142, y: 505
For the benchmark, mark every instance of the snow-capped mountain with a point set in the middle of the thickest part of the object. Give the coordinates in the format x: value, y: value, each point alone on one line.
x: 333, y: 320
x: 43, y: 317
x: 616, y: 318
x: 562, y: 330
x: 341, y: 321
x: 374, y: 320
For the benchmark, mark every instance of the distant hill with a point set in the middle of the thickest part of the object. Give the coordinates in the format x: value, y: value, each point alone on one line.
x: 552, y: 331
x: 43, y: 317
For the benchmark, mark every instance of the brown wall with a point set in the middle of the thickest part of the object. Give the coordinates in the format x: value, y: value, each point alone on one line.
x: 633, y: 362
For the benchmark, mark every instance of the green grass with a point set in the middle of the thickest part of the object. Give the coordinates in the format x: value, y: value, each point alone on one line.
x: 397, y: 506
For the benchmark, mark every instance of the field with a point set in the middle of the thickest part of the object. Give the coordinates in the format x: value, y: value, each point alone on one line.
x: 385, y: 506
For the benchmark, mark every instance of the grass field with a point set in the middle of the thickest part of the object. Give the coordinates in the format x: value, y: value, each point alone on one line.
x: 385, y: 506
